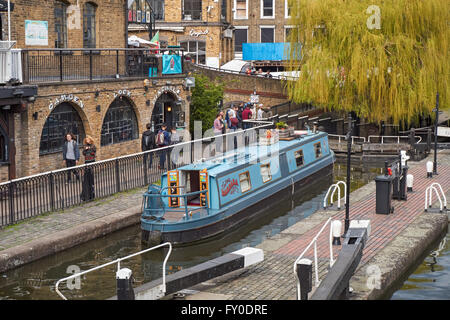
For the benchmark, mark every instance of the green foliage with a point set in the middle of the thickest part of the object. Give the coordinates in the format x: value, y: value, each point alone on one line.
x: 392, y: 73
x: 205, y: 99
x: 281, y: 125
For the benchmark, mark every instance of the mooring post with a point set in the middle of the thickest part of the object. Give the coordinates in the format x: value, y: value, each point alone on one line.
x: 124, y: 284
x: 304, y: 274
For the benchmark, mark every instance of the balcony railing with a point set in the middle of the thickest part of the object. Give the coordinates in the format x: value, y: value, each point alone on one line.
x: 60, y: 65
x: 10, y: 62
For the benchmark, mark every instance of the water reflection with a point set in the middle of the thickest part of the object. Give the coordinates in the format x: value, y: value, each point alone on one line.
x: 37, y: 280
x: 431, y: 278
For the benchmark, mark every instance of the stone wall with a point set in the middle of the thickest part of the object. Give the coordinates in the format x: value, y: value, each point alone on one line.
x: 239, y: 87
x: 109, y: 21
x: 92, y: 110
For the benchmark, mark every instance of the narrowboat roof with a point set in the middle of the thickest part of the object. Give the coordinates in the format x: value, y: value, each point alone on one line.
x: 235, y: 158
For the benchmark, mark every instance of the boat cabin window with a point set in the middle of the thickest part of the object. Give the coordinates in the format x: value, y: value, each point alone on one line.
x: 299, y: 158
x: 244, y: 179
x: 265, y: 173
x: 318, y: 149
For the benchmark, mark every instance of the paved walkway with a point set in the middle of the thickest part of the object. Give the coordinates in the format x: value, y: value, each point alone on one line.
x: 46, y: 224
x: 401, y: 235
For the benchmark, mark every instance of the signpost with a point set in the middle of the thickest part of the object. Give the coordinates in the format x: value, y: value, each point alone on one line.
x: 443, y: 131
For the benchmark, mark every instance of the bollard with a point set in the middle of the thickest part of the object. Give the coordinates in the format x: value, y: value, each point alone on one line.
x: 409, y: 182
x: 304, y: 274
x: 336, y: 227
x: 429, y: 169
x: 124, y: 284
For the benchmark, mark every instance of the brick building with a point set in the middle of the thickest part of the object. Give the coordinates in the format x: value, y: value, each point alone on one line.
x: 73, y: 55
x: 201, y: 27
x: 258, y: 21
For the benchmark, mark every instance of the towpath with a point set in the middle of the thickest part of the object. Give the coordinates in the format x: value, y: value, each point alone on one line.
x: 396, y: 242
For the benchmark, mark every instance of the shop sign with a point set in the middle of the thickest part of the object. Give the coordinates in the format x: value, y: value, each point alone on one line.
x: 66, y: 98
x: 193, y: 33
x: 123, y: 92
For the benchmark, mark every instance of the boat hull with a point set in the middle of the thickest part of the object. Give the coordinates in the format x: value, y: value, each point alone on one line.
x: 215, y: 228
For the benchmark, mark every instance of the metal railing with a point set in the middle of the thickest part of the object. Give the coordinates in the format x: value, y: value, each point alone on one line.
x: 276, y: 77
x: 59, y: 65
x: 396, y: 139
x: 162, y: 209
x: 429, y: 197
x: 30, y: 196
x: 344, y: 137
x: 334, y: 187
x: 316, y: 264
x: 117, y: 261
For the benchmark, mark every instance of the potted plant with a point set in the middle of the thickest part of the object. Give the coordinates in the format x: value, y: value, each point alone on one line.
x: 282, y: 129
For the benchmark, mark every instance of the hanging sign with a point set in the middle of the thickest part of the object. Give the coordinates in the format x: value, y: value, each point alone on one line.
x: 171, y: 64
x: 443, y: 131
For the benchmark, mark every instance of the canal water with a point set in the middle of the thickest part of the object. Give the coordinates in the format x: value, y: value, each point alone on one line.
x: 37, y: 280
x: 431, y: 279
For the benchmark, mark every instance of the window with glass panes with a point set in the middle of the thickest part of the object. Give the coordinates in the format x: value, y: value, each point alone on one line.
x: 192, y: 10
x: 120, y: 123
x: 240, y: 37
x: 196, y: 50
x: 62, y: 120
x: 60, y: 15
x: 241, y: 9
x: 267, y: 8
x: 89, y: 25
x: 139, y: 11
x: 267, y: 34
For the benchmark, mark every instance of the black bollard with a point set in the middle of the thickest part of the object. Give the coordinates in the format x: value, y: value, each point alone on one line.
x: 304, y: 274
x: 124, y: 279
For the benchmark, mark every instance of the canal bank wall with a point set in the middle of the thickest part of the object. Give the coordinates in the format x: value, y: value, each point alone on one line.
x: 54, y: 232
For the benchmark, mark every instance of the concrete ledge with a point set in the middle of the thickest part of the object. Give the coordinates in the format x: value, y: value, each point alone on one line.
x: 16, y: 256
x: 398, y: 256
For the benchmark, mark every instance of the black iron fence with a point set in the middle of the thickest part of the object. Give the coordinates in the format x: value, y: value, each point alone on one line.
x: 58, y: 65
x: 59, y: 189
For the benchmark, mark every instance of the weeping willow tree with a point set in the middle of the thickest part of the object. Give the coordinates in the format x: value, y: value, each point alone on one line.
x: 384, y: 60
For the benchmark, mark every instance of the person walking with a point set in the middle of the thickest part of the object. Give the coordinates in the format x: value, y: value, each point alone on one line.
x: 218, y: 130
x: 162, y: 140
x: 246, y: 115
x: 148, y: 143
x: 71, y: 155
x: 89, y: 151
x: 260, y: 114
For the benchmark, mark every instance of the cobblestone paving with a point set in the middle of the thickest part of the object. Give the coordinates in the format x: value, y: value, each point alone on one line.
x: 274, y: 279
x: 49, y: 223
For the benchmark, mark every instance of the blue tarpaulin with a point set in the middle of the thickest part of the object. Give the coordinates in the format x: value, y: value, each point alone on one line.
x: 278, y: 51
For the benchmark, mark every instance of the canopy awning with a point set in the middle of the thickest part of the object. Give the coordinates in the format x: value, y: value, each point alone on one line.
x: 138, y: 42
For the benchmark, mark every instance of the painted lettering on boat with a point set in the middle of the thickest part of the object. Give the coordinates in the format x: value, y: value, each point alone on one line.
x: 229, y: 186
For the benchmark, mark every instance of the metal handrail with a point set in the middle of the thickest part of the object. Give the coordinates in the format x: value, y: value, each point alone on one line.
x: 336, y: 186
x: 261, y: 125
x: 340, y: 136
x: 428, y: 199
x: 118, y: 267
x: 397, y: 137
x: 316, y: 266
x: 160, y: 195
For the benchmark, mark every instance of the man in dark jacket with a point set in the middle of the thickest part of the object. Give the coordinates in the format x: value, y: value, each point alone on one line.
x: 148, y: 143
x: 165, y: 141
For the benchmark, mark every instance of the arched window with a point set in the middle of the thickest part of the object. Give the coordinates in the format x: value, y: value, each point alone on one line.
x: 120, y: 123
x: 89, y: 25
x: 60, y: 13
x: 62, y: 120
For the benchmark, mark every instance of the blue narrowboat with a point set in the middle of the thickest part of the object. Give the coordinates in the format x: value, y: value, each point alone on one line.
x: 203, y: 199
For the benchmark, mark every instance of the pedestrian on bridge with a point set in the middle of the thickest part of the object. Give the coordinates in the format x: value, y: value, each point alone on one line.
x: 71, y: 155
x: 89, y: 151
x: 148, y: 143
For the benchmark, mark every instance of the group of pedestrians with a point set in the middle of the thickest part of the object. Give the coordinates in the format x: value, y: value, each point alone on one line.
x: 163, y: 138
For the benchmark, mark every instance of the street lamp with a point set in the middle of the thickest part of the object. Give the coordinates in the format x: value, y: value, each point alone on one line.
x: 436, y: 123
x: 349, y: 152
